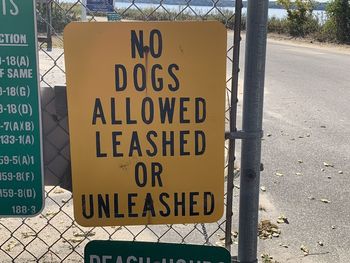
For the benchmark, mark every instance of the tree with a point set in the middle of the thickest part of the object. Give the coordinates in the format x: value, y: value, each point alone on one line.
x: 61, y: 15
x: 338, y: 12
x: 299, y: 14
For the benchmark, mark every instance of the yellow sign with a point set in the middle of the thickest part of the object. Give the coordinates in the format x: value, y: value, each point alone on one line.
x: 146, y: 108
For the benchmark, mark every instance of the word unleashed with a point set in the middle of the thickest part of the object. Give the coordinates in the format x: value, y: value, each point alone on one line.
x: 153, y: 205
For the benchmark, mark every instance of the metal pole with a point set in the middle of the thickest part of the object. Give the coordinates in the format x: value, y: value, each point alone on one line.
x: 233, y: 122
x: 83, y: 10
x: 49, y: 25
x: 254, y: 76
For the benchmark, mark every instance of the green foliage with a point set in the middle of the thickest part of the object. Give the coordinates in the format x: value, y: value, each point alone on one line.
x: 299, y: 22
x: 338, y: 23
x: 61, y: 15
x: 224, y: 16
x: 299, y: 15
x: 278, y: 25
x: 326, y: 33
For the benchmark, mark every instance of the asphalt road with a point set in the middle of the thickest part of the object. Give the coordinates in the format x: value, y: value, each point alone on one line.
x: 307, y: 126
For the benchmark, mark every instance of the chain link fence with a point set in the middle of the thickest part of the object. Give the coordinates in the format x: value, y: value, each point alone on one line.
x: 54, y: 236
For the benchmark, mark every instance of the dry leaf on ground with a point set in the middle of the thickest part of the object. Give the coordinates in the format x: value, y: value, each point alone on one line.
x: 28, y: 234
x: 51, y: 213
x: 74, y: 240
x: 58, y: 191
x: 328, y: 164
x: 282, y: 220
x: 266, y: 258
x: 305, y: 250
x: 84, y: 234
x: 284, y: 245
x: 234, y: 234
x: 266, y: 229
x: 11, y: 245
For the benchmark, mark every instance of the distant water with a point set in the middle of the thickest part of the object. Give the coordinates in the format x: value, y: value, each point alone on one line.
x: 278, y: 13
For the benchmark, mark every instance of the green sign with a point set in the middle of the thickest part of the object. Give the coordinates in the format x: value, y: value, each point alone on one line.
x: 145, y: 252
x: 21, y: 173
x: 113, y: 17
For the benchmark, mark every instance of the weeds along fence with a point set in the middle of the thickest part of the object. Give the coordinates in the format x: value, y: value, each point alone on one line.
x: 54, y: 236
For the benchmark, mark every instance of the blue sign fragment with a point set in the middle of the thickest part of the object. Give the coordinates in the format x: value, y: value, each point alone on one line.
x: 100, y: 5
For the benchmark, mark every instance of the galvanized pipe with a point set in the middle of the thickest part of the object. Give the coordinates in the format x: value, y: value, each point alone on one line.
x: 83, y: 10
x: 254, y: 76
x: 48, y: 25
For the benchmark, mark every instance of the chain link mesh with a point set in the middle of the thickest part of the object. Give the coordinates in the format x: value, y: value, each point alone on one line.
x: 54, y: 236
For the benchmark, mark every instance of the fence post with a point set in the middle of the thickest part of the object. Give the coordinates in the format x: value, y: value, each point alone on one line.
x: 48, y: 26
x: 83, y: 10
x: 254, y: 76
x: 233, y: 123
